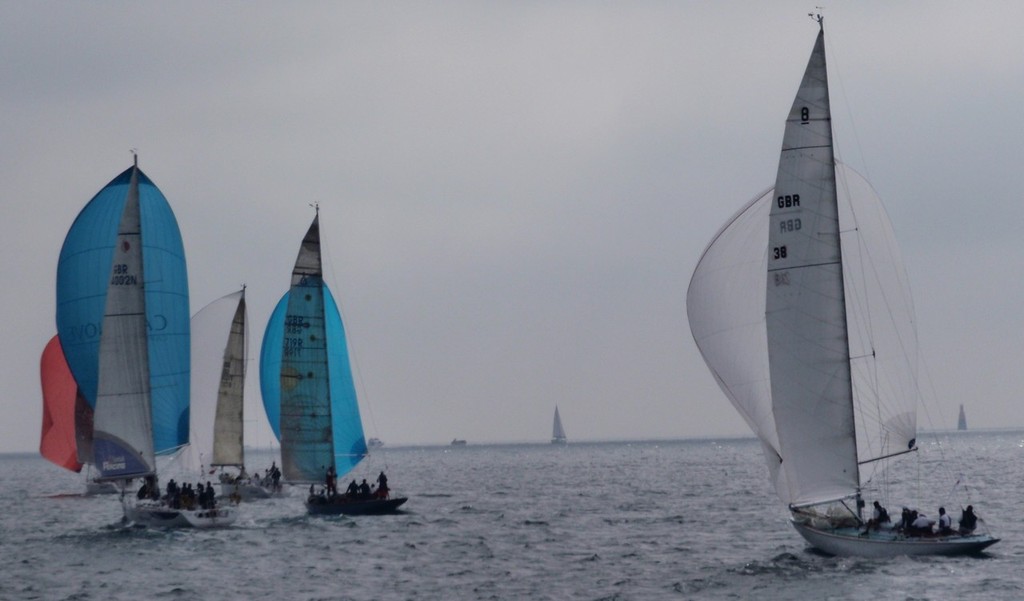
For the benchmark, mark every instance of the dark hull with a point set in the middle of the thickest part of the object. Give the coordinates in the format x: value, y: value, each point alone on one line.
x: 344, y: 506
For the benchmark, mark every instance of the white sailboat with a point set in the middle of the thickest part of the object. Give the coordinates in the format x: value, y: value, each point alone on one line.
x: 557, y: 431
x: 810, y: 334
x: 961, y: 422
x: 220, y: 336
x: 123, y: 444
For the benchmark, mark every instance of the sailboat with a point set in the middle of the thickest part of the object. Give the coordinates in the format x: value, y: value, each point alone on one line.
x: 810, y: 334
x: 961, y: 422
x: 309, y: 393
x: 557, y: 431
x: 219, y: 359
x: 129, y: 413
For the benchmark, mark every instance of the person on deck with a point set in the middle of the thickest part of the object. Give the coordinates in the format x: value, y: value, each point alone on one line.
x: 945, y: 522
x: 364, y: 489
x: 922, y: 524
x: 353, y: 489
x: 968, y: 521
x: 382, y: 486
x: 332, y: 482
x: 879, y: 516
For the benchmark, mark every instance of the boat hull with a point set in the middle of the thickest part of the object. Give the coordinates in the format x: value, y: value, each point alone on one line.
x: 100, y: 488
x: 343, y: 506
x: 161, y: 516
x: 886, y: 543
x: 248, y: 492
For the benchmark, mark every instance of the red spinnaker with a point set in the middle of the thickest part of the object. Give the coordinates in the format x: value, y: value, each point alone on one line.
x: 60, y: 392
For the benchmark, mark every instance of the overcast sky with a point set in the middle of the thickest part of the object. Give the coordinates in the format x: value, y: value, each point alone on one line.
x: 513, y: 194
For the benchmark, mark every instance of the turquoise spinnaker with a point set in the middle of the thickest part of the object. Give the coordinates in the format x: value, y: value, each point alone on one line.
x: 349, y: 440
x: 82, y: 273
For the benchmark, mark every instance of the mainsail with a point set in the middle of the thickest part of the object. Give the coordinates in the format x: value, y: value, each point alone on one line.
x: 123, y: 427
x: 305, y: 377
x: 219, y: 359
x: 808, y: 353
x: 82, y: 278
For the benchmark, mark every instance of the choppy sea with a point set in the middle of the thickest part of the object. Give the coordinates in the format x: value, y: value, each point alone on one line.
x: 643, y: 520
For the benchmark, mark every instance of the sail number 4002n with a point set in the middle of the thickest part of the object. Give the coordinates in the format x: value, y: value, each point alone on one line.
x: 121, y: 276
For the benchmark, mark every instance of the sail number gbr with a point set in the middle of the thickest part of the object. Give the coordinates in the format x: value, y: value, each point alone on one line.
x: 121, y: 276
x: 786, y: 201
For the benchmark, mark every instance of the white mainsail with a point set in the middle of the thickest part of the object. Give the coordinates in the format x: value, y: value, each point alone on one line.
x: 122, y: 427
x: 219, y: 354
x: 228, y: 425
x: 808, y: 353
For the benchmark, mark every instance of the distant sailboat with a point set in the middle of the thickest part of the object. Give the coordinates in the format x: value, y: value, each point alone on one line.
x: 961, y: 423
x: 557, y: 431
x: 799, y: 333
x: 308, y: 390
x: 127, y: 415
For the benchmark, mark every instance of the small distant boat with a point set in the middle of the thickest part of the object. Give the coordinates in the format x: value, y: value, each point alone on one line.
x: 127, y: 413
x: 458, y: 442
x: 375, y: 443
x: 961, y: 423
x: 789, y: 322
x: 557, y: 431
x: 309, y: 392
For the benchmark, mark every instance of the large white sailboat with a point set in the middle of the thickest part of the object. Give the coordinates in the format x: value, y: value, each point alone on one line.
x: 800, y: 308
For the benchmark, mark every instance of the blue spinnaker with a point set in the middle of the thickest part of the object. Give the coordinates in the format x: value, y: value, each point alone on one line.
x: 348, y: 436
x: 82, y: 273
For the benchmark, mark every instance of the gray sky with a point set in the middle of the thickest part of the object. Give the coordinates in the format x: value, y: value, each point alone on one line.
x: 513, y: 194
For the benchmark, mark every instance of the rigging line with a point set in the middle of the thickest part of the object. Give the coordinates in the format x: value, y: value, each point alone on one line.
x: 350, y: 335
x: 836, y: 72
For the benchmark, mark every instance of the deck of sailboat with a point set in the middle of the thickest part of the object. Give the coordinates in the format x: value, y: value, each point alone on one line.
x: 889, y: 542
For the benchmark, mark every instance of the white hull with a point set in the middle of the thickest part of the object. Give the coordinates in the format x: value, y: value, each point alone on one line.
x: 158, y: 515
x: 248, y: 492
x: 100, y: 488
x: 887, y: 543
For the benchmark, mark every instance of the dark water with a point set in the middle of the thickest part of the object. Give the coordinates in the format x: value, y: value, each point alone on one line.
x: 665, y: 520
